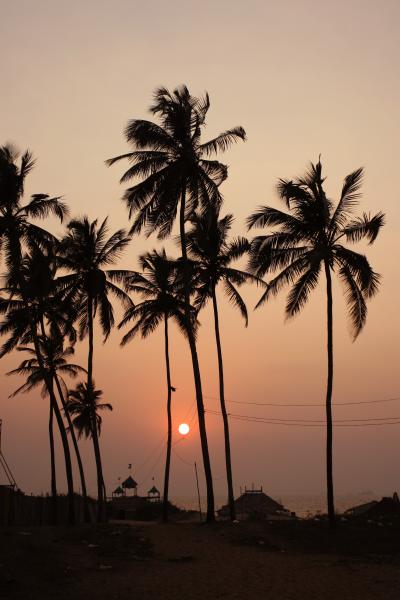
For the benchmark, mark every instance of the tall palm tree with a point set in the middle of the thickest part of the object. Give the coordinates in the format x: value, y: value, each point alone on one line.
x: 56, y: 362
x: 80, y: 405
x: 85, y: 252
x: 174, y: 172
x: 213, y: 255
x: 24, y: 322
x: 162, y: 300
x: 17, y: 233
x: 307, y: 240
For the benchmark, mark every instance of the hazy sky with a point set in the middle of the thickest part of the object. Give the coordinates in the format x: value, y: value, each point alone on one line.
x: 303, y: 77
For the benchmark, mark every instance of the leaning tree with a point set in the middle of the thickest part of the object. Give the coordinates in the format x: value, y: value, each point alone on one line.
x: 85, y: 252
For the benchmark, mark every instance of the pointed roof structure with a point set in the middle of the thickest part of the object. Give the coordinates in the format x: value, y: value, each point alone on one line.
x: 118, y: 491
x: 154, y: 490
x: 129, y: 483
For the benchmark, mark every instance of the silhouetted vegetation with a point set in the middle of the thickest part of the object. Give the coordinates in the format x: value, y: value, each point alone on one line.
x: 55, y: 289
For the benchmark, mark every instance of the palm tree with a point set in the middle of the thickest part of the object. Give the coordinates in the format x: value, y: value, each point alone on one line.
x: 16, y: 229
x: 18, y: 232
x: 24, y: 323
x: 80, y: 405
x: 85, y: 251
x: 307, y: 240
x: 162, y: 300
x: 213, y: 254
x: 56, y: 362
x: 174, y: 171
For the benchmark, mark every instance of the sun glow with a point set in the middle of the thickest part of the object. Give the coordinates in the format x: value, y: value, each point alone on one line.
x: 183, y: 428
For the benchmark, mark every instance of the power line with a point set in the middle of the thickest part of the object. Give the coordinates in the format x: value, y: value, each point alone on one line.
x: 397, y: 418
x: 151, y: 454
x: 190, y: 464
x: 306, y: 405
x: 304, y: 423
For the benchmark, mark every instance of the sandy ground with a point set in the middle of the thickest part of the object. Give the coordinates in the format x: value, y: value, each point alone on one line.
x: 175, y: 561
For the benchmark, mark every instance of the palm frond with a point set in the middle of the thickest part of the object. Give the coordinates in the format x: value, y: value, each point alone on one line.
x: 364, y: 227
x: 223, y: 141
x: 235, y: 298
x: 348, y: 198
x: 300, y: 291
x: 355, y: 301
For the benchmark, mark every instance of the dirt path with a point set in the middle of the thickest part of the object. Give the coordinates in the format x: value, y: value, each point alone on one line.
x: 171, y: 562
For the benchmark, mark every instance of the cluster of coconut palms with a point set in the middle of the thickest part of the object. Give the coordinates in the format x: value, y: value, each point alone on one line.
x: 55, y: 289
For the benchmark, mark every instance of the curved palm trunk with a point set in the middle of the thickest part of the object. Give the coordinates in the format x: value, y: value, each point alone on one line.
x: 231, y: 499
x: 196, y: 368
x: 100, y: 481
x: 67, y: 454
x: 169, y: 439
x: 52, y: 468
x: 86, y: 512
x: 329, y: 423
x: 60, y: 423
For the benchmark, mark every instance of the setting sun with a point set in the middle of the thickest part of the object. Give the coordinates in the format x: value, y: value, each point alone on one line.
x: 183, y: 428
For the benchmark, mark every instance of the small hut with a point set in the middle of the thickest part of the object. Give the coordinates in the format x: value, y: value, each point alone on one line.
x: 387, y: 507
x: 130, y: 485
x: 118, y: 492
x: 256, y: 504
x: 153, y: 495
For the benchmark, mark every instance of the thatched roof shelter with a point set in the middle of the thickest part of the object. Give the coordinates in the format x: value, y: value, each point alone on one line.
x: 256, y: 504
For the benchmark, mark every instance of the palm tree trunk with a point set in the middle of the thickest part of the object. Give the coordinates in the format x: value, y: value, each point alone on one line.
x: 60, y: 423
x: 86, y: 512
x: 169, y: 439
x: 52, y: 468
x: 231, y: 499
x: 67, y: 454
x: 329, y: 423
x: 196, y: 367
x: 100, y: 481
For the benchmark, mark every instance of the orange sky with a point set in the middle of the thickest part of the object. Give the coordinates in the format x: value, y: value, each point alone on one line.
x: 303, y: 77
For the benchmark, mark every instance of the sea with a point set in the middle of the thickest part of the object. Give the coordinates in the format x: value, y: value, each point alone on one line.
x: 303, y: 505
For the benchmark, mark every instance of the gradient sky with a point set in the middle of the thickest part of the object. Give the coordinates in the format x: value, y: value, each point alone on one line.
x: 303, y: 77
